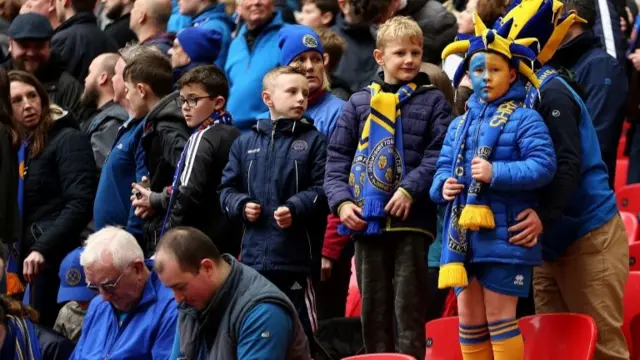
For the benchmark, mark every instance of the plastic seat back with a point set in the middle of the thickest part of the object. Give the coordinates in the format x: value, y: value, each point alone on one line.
x: 559, y: 336
x: 631, y: 310
x: 442, y: 339
x: 630, y: 225
x: 628, y: 198
x: 381, y: 357
x: 622, y: 169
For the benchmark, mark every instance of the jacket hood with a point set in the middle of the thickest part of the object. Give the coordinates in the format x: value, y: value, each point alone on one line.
x: 166, y: 110
x: 61, y: 119
x: 285, y: 127
x: 211, y: 12
x: 517, y: 92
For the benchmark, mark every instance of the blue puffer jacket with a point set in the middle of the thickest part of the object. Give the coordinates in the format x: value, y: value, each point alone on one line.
x: 425, y: 118
x: 277, y: 164
x: 245, y: 68
x: 523, y: 160
x: 214, y: 17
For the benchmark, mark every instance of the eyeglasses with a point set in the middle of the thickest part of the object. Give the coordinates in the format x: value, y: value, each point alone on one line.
x: 191, y: 101
x: 108, y: 287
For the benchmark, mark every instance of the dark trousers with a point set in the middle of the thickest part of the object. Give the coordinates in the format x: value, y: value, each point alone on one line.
x: 437, y: 297
x: 392, y: 277
x: 43, y: 296
x: 299, y: 289
x: 332, y: 294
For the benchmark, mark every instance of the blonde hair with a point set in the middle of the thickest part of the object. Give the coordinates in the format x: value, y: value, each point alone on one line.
x: 272, y: 76
x: 399, y: 28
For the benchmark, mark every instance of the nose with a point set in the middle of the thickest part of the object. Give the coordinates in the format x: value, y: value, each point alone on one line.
x: 301, y: 97
x: 308, y: 65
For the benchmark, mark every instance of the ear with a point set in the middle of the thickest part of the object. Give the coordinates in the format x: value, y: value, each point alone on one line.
x: 138, y: 266
x: 103, y: 79
x: 66, y: 3
x: 377, y: 54
x: 512, y: 75
x: 207, y: 266
x: 219, y: 103
x: 326, y: 59
x: 143, y: 18
x: 266, y: 98
x: 142, y: 89
x: 326, y: 18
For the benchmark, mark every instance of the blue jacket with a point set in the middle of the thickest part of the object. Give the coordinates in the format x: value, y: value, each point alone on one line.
x: 147, y: 331
x: 523, y: 161
x: 325, y: 113
x: 124, y: 165
x: 605, y: 88
x: 245, y: 69
x: 425, y: 119
x: 593, y: 202
x: 278, y: 164
x: 214, y: 17
x: 177, y: 21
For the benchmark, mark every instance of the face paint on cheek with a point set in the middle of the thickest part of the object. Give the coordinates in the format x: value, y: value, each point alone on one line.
x: 478, y: 75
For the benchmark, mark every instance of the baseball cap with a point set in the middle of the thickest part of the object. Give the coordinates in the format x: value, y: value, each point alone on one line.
x: 30, y: 26
x: 73, y: 283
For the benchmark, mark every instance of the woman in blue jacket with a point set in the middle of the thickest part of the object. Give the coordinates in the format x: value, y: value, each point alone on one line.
x: 494, y: 158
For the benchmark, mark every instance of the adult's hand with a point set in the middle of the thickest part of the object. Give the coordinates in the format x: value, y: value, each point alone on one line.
x: 32, y: 266
x: 529, y: 226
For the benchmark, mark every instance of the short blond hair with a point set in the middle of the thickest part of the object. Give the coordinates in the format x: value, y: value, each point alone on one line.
x: 270, y: 79
x: 399, y: 28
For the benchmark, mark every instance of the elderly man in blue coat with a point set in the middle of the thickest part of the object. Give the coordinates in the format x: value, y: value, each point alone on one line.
x: 134, y: 317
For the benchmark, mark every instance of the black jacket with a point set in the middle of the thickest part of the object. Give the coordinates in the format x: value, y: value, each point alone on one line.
x: 78, y: 41
x: 9, y: 216
x: 63, y: 89
x: 195, y: 200
x: 53, y: 345
x: 59, y: 189
x: 357, y: 67
x: 438, y: 25
x: 120, y: 32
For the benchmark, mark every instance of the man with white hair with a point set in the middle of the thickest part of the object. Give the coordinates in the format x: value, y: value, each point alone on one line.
x: 135, y: 315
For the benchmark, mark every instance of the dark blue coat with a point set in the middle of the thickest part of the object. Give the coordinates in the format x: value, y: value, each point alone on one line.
x: 425, y: 119
x: 277, y: 164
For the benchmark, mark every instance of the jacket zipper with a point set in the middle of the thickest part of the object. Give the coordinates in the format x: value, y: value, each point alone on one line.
x: 297, y: 187
x: 249, y: 178
x: 308, y: 242
x: 269, y: 161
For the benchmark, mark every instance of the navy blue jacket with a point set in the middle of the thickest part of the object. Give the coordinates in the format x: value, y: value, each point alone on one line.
x: 605, y: 88
x: 425, y: 119
x: 278, y: 163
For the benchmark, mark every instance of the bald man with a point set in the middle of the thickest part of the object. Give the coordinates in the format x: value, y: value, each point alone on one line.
x: 45, y: 8
x: 103, y: 124
x: 149, y: 22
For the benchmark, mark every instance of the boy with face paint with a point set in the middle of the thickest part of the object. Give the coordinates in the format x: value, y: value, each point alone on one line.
x: 494, y: 158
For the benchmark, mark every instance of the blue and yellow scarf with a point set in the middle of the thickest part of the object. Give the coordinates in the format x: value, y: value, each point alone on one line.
x: 14, y: 285
x: 378, y: 166
x: 469, y: 211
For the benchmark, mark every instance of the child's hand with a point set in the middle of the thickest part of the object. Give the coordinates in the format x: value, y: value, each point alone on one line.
x: 451, y: 189
x: 481, y: 170
x: 399, y: 205
x: 351, y: 215
x: 283, y: 217
x: 252, y: 211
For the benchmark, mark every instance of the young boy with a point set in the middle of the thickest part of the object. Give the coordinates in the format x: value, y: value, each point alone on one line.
x: 273, y: 182
x: 334, y: 47
x: 194, y: 198
x: 380, y: 168
x: 318, y: 14
x: 494, y: 159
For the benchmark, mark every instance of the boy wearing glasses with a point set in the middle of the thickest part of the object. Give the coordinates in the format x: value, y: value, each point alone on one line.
x: 203, y: 96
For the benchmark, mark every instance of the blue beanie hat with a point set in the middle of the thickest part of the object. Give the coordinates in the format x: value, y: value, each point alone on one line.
x: 295, y: 40
x: 202, y: 45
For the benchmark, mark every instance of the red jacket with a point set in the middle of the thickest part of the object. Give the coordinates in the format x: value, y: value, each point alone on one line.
x: 333, y: 243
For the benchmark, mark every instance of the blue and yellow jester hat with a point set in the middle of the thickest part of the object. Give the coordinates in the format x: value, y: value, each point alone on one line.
x: 542, y: 20
x: 496, y: 41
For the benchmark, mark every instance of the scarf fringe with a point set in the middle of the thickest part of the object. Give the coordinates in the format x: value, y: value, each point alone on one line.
x: 452, y: 275
x: 475, y: 216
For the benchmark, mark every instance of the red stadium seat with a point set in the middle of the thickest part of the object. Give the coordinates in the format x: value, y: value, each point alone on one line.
x: 559, y: 336
x: 354, y: 301
x: 632, y: 312
x: 381, y: 357
x: 634, y: 257
x: 442, y: 339
x: 628, y: 198
x: 630, y: 225
x: 622, y: 168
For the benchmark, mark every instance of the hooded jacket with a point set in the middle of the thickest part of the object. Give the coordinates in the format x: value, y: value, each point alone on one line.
x: 278, y: 163
x: 102, y: 129
x: 214, y: 17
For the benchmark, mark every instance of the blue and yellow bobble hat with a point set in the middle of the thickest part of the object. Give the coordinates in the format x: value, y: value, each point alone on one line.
x: 496, y: 41
x: 542, y: 20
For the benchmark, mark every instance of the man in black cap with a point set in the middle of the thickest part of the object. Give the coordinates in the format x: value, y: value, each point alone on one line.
x: 30, y: 51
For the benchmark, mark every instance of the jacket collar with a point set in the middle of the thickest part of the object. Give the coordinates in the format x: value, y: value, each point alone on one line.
x: 276, y: 22
x: 77, y: 19
x: 284, y: 127
x: 569, y: 54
